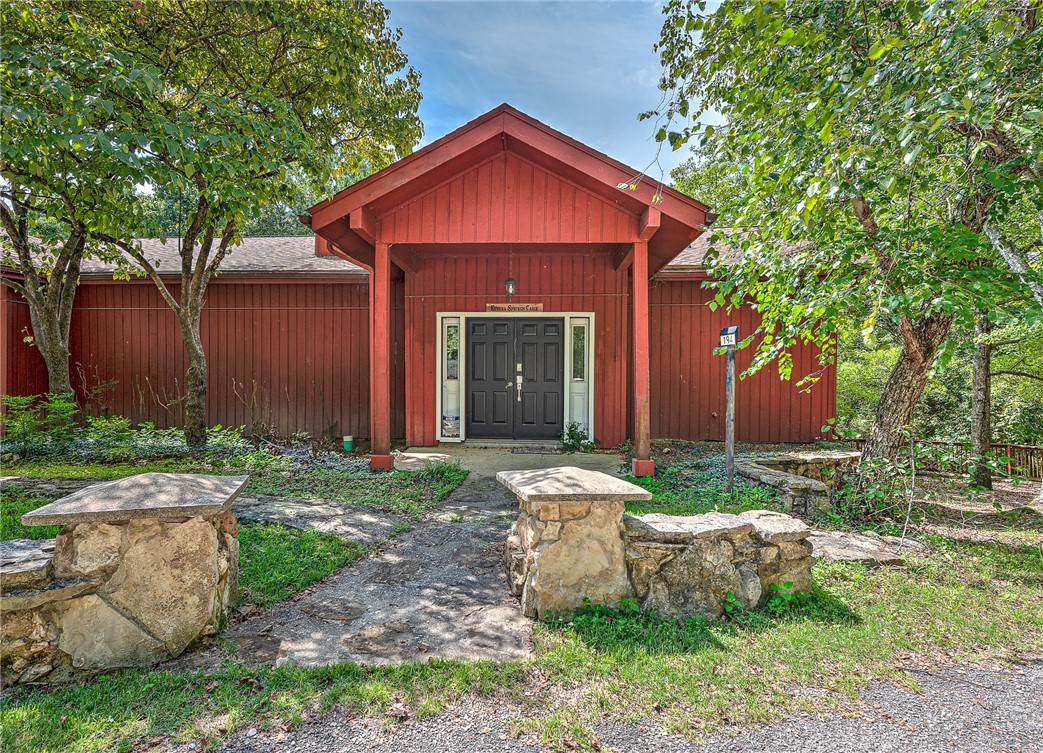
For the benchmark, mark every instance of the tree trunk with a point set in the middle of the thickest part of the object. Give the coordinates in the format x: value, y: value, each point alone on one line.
x: 53, y: 345
x: 981, y: 403
x: 195, y: 383
x: 921, y: 341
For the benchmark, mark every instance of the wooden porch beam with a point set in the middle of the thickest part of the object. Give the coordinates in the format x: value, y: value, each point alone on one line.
x: 624, y: 257
x: 403, y: 260
x: 649, y: 223
x: 364, y: 224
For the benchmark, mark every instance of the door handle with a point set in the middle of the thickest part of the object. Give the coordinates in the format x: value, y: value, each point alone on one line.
x: 518, y: 384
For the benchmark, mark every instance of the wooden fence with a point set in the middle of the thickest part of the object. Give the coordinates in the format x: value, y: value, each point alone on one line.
x: 1025, y: 461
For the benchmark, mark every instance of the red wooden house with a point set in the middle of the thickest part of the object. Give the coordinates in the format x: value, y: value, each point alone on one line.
x: 496, y: 284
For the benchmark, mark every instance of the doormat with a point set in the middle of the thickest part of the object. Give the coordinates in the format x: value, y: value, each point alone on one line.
x: 535, y: 451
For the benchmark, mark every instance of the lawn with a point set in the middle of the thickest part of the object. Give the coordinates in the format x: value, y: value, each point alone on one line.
x: 964, y: 602
x: 967, y: 602
x: 408, y: 493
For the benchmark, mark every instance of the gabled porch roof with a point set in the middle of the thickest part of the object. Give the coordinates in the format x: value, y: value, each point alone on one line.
x: 351, y: 219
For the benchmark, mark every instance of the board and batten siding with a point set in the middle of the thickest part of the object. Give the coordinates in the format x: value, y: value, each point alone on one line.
x: 304, y: 343
x: 688, y: 380
x: 507, y: 199
x: 291, y: 353
x: 566, y: 281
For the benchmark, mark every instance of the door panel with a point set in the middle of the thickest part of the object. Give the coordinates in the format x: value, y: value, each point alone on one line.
x: 540, y: 345
x: 501, y: 351
x: 490, y: 412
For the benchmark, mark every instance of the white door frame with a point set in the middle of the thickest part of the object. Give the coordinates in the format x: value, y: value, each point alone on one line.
x: 461, y: 368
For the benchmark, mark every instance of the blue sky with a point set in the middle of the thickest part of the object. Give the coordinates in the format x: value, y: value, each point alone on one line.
x: 585, y: 68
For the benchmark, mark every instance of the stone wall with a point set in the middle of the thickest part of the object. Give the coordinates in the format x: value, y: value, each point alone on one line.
x: 819, y: 466
x: 572, y: 542
x: 119, y: 592
x: 801, y: 479
x: 687, y: 566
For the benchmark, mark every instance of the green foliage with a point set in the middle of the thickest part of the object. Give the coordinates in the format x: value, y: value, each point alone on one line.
x: 692, y: 486
x: 60, y: 413
x: 114, y: 433
x: 410, y: 493
x: 21, y: 419
x: 16, y: 502
x: 874, y: 143
x: 275, y: 562
x: 716, y: 183
x: 46, y: 420
x: 574, y: 438
x: 943, y: 410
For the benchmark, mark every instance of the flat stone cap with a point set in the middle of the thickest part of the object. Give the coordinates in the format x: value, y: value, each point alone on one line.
x: 569, y: 484
x: 773, y: 526
x: 680, y: 529
x: 147, y: 495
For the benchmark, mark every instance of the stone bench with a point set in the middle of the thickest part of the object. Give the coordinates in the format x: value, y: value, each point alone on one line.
x: 143, y: 567
x: 572, y: 542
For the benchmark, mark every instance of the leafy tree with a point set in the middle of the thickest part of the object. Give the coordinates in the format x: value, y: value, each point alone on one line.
x: 66, y: 164
x: 717, y: 183
x: 240, y: 95
x: 890, y: 137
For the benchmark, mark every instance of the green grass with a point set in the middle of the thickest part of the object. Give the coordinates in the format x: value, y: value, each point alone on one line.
x: 101, y: 471
x: 14, y: 503
x: 971, y: 601
x: 275, y: 561
x: 409, y: 493
x: 124, y: 711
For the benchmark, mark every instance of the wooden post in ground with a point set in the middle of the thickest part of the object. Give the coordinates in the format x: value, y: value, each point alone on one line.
x: 380, y: 360
x: 642, y: 465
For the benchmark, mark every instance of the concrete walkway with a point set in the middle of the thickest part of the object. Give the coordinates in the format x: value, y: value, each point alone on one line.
x: 488, y: 461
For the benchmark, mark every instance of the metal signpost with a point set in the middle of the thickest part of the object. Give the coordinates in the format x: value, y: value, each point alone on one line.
x: 729, y: 337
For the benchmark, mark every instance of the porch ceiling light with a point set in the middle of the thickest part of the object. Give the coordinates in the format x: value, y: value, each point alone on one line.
x: 510, y: 285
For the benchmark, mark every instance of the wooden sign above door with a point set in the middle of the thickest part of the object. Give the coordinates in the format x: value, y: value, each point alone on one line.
x: 514, y: 307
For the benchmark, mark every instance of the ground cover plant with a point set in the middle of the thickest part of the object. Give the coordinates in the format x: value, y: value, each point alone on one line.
x: 16, y: 502
x: 691, y: 479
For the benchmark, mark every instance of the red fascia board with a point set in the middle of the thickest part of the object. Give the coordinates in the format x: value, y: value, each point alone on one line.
x: 589, y: 167
x: 407, y: 170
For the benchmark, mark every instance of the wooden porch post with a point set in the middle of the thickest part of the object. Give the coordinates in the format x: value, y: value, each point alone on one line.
x: 380, y: 360
x: 642, y: 465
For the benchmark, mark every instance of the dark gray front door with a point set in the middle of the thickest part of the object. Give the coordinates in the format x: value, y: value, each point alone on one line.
x: 515, y: 378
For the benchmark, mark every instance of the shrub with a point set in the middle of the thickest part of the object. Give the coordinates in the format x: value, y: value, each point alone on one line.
x: 574, y: 439
x: 22, y: 420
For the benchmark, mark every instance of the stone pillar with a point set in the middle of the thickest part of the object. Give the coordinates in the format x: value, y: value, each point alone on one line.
x: 567, y: 544
x: 144, y: 566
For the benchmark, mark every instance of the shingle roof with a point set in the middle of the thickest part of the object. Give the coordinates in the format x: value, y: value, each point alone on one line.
x: 256, y: 254
x: 296, y: 254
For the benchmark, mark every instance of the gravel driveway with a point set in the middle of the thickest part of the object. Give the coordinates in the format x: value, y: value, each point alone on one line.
x: 962, y: 709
